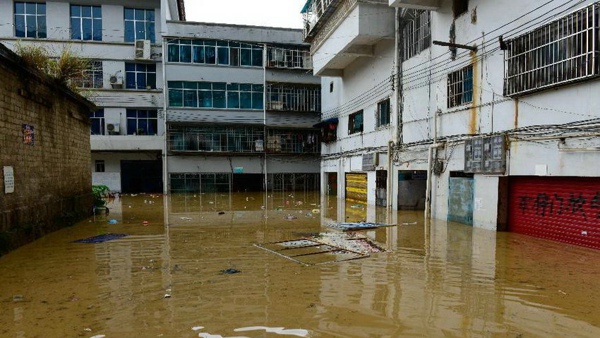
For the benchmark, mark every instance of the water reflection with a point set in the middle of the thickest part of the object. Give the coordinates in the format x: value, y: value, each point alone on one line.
x: 165, y: 278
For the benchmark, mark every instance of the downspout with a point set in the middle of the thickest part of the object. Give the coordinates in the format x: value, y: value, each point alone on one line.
x: 266, y: 178
x: 399, y: 55
x: 165, y: 133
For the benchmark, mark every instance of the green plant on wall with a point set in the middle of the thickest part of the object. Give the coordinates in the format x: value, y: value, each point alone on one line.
x: 100, y: 192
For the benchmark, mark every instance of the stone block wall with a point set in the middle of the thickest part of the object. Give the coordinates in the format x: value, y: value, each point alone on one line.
x: 52, y: 180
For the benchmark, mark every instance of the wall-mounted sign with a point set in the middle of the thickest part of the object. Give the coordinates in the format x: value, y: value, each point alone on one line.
x: 28, y: 134
x: 9, y: 180
x: 369, y: 162
x: 486, y: 155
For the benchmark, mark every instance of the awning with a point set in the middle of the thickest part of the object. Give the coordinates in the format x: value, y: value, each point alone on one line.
x: 306, y: 6
x: 333, y: 120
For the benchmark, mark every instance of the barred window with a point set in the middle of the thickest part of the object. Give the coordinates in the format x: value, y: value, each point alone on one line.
x: 417, y: 34
x: 293, y: 98
x: 355, y: 123
x: 92, y: 76
x: 560, y: 52
x: 460, y: 87
x: 288, y: 58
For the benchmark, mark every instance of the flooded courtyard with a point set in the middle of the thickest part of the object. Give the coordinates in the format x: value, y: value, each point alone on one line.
x: 195, y: 266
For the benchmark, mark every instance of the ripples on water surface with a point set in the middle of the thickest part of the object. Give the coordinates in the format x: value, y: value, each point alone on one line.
x: 438, y: 280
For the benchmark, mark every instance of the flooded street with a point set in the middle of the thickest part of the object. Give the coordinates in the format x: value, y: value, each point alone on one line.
x: 204, y: 275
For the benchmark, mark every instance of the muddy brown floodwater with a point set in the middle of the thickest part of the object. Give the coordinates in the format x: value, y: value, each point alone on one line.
x: 192, y: 266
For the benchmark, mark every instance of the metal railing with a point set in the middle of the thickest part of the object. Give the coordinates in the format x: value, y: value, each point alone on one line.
x: 292, y: 98
x: 288, y: 58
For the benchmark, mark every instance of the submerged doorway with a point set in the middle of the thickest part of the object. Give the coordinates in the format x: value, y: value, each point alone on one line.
x: 141, y: 176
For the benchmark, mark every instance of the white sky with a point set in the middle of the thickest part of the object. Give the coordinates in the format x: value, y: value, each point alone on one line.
x: 273, y: 13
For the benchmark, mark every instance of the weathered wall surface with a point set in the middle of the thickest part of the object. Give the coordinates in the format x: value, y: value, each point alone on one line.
x: 52, y: 180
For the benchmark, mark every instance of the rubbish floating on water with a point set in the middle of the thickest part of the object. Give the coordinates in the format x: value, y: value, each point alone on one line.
x: 100, y: 238
x: 357, y: 226
x: 278, y: 330
x: 167, y: 295
x: 290, y: 217
x: 356, y: 206
x: 409, y: 223
x: 196, y: 328
x: 308, y: 214
x: 230, y: 271
x: 18, y: 298
x: 324, y: 248
x: 186, y: 218
x: 145, y: 222
x: 315, y: 211
x: 112, y: 221
x: 221, y: 212
x: 98, y: 336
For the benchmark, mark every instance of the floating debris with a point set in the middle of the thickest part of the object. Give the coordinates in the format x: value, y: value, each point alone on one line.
x: 18, y: 298
x: 100, y: 238
x: 221, y: 212
x: 112, y: 221
x: 230, y: 271
x: 352, y: 226
x: 277, y: 330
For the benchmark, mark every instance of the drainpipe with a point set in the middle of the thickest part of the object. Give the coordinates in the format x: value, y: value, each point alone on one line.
x: 390, y: 185
x: 165, y: 132
x: 430, y: 160
x: 265, y: 117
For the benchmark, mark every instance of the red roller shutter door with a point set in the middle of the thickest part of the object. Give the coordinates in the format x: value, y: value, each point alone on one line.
x: 562, y: 209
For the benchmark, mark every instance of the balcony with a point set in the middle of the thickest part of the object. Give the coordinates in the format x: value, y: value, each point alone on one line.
x: 340, y: 31
x: 431, y: 5
x: 288, y: 58
x: 126, y: 142
x: 293, y: 98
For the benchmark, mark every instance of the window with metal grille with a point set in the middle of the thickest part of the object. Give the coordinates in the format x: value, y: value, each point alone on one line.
x: 279, y: 57
x: 140, y: 76
x: 92, y: 77
x: 417, y: 33
x: 97, y: 121
x: 293, y: 98
x: 355, y: 122
x: 383, y: 113
x: 293, y: 141
x: 216, y: 139
x: 86, y: 22
x: 142, y: 122
x: 100, y: 167
x: 30, y: 20
x: 195, y: 182
x: 558, y: 53
x: 139, y: 24
x: 460, y: 87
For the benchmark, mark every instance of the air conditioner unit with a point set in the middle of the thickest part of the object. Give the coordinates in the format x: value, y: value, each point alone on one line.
x: 113, y: 128
x: 115, y: 82
x: 142, y: 49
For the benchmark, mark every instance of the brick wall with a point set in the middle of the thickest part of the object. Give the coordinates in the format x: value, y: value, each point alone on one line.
x: 52, y: 179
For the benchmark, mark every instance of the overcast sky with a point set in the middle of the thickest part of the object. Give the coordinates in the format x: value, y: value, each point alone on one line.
x: 274, y: 13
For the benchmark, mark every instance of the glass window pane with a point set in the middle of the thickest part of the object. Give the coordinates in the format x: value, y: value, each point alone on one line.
x: 31, y: 28
x: 175, y: 97
x: 246, y: 57
x: 30, y: 8
x: 257, y: 57
x: 246, y: 87
x: 75, y: 29
x: 142, y: 113
x: 86, y: 11
x: 20, y: 26
x: 130, y: 80
x: 75, y: 10
x: 41, y: 27
x: 190, y: 99
x: 257, y: 101
x: 185, y: 54
x: 218, y: 99
x: 173, y: 53
x: 150, y: 15
x: 233, y: 100
x: 129, y: 31
x: 190, y: 85
x: 97, y: 30
x: 199, y: 54
x: 97, y: 12
x: 130, y: 67
x: 210, y: 55
x: 41, y: 9
x: 86, y: 29
x: 205, y: 99
x: 19, y: 8
x: 151, y: 80
x: 150, y: 31
x: 141, y: 80
x: 245, y: 100
x: 223, y: 56
x: 218, y: 85
x: 140, y: 29
x: 128, y: 14
x: 139, y: 14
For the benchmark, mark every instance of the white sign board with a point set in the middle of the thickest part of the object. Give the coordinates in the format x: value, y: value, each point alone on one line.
x: 9, y: 180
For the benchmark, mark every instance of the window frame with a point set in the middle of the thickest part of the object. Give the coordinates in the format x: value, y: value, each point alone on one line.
x: 140, y: 69
x: 352, y: 118
x: 219, y: 95
x: 384, y: 121
x: 41, y: 30
x: 417, y: 34
x: 215, y: 52
x: 93, y: 76
x: 139, y: 121
x: 460, y: 89
x: 147, y: 20
x: 95, y: 21
x: 98, y: 120
x: 99, y: 166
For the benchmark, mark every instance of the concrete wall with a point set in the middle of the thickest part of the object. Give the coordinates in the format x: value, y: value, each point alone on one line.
x: 52, y: 180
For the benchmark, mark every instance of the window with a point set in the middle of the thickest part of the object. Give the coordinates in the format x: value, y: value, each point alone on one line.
x: 142, y: 122
x: 212, y: 52
x: 140, y: 76
x: 216, y: 95
x: 30, y: 20
x: 459, y: 7
x: 355, y: 123
x: 86, y: 23
x: 417, y: 34
x: 288, y: 58
x: 100, y: 166
x: 460, y: 87
x: 383, y: 113
x: 560, y: 52
x: 293, y: 98
x: 139, y: 24
x: 92, y: 77
x: 216, y: 139
x: 97, y: 120
x: 331, y: 87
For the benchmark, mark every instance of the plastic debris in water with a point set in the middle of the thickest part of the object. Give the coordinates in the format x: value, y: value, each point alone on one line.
x: 290, y: 217
x: 277, y: 330
x: 100, y: 238
x: 230, y: 271
x: 112, y: 221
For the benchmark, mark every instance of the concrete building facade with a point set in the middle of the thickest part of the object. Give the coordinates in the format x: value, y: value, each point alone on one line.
x: 495, y: 124
x: 241, y: 104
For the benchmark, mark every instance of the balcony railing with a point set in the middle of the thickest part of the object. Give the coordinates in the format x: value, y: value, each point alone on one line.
x: 288, y: 58
x: 293, y: 142
x: 296, y: 99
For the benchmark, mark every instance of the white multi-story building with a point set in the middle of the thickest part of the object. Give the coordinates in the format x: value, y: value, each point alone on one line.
x: 497, y: 121
x: 123, y: 40
x: 241, y: 105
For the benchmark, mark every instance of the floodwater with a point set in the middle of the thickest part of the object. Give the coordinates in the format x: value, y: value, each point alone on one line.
x: 205, y: 275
